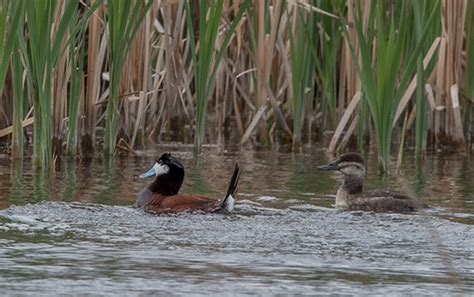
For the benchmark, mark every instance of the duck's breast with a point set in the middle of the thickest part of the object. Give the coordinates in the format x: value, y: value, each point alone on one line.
x: 143, y: 197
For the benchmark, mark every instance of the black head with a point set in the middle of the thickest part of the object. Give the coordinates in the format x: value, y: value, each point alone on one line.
x: 169, y: 174
x: 351, y: 164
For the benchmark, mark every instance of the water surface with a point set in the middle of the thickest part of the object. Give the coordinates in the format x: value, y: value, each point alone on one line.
x: 74, y: 231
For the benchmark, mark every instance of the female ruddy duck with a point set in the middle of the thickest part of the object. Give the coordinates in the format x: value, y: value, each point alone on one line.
x: 350, y: 196
x: 162, y: 196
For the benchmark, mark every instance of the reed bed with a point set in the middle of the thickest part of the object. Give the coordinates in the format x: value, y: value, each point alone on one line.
x: 85, y: 76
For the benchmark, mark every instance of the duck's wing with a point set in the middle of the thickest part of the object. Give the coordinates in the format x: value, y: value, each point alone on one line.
x: 386, y: 193
x: 385, y: 201
x: 179, y: 203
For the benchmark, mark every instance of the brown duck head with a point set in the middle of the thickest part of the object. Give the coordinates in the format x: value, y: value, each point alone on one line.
x: 352, y: 166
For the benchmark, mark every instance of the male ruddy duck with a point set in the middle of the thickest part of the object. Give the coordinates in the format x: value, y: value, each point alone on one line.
x: 350, y: 197
x: 162, y: 196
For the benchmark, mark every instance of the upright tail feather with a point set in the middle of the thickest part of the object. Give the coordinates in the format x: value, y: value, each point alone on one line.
x: 228, y: 202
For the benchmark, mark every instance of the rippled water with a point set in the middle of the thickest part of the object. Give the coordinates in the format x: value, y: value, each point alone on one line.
x: 74, y: 231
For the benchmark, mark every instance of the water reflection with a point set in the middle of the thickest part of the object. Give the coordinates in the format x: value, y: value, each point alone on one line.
x: 17, y: 182
x: 70, y: 183
x: 111, y: 182
x: 197, y: 184
x: 446, y: 179
x: 421, y: 167
x: 41, y: 185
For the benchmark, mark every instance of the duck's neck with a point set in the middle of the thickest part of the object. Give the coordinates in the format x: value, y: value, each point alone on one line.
x: 165, y: 185
x: 352, y: 185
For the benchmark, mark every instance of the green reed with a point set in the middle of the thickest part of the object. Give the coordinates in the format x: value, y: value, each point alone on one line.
x: 41, y: 53
x: 11, y: 14
x: 326, y: 47
x: 77, y: 55
x: 421, y: 9
x: 385, y: 82
x: 206, y: 60
x: 469, y: 78
x: 18, y: 103
x: 17, y: 70
x: 124, y: 19
x: 421, y: 116
x: 302, y: 68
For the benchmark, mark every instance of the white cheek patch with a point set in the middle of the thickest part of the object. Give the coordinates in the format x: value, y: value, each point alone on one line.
x: 161, y: 169
x: 352, y: 169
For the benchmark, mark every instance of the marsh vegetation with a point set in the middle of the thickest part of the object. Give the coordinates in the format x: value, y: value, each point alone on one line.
x: 82, y: 76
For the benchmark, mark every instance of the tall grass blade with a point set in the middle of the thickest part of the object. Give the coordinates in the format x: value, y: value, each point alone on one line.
x: 96, y: 55
x: 469, y: 78
x: 325, y: 43
x: 421, y: 117
x: 17, y: 71
x: 302, y: 68
x: 381, y: 86
x: 206, y: 60
x: 11, y: 16
x: 77, y: 56
x: 124, y: 19
x: 421, y: 9
x: 41, y: 52
x: 18, y: 105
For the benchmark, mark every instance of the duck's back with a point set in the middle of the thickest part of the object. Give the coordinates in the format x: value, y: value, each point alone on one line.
x: 381, y: 200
